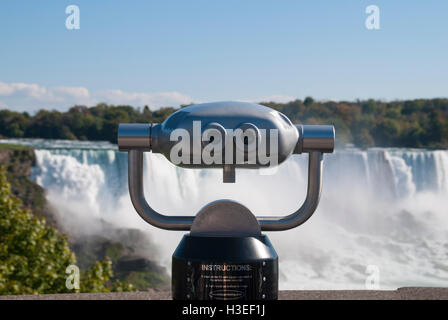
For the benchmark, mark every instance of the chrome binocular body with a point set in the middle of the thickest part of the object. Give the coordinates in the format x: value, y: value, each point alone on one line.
x: 227, y: 129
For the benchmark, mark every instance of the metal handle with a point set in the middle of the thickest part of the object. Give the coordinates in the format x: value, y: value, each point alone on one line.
x: 156, y: 219
x: 135, y: 171
x: 308, y: 207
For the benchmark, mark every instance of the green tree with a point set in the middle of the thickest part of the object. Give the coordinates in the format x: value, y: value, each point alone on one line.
x: 387, y: 132
x: 411, y: 123
x: 435, y: 132
x: 369, y: 106
x: 97, y: 279
x: 364, y: 139
x: 34, y: 256
x: 308, y: 101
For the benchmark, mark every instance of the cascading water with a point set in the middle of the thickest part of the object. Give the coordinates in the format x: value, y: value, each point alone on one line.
x: 381, y: 207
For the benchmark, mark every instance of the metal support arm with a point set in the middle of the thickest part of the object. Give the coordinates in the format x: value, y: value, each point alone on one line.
x: 308, y: 207
x: 135, y: 170
x: 184, y: 222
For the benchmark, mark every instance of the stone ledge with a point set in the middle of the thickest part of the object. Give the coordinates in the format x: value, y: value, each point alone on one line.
x: 406, y: 293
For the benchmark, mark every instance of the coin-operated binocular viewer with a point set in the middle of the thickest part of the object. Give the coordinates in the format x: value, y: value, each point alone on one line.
x: 225, y: 255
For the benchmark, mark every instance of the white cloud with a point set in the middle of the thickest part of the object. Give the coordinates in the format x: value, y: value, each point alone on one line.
x: 78, y: 92
x: 273, y: 98
x: 20, y: 96
x: 159, y: 99
x: 277, y: 98
x: 23, y: 89
x: 32, y: 97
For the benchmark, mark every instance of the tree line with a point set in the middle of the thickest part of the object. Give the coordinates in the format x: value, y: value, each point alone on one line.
x: 363, y: 123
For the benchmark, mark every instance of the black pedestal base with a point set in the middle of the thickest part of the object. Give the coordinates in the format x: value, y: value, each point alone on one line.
x: 225, y: 268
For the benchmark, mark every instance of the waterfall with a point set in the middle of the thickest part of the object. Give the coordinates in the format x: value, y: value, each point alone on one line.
x: 382, y: 207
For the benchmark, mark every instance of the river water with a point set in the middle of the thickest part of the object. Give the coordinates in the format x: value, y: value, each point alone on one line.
x: 381, y: 209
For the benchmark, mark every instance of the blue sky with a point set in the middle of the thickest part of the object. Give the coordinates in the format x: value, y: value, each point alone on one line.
x: 172, y: 52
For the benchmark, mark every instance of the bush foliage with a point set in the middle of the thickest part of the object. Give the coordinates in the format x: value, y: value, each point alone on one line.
x: 34, y: 256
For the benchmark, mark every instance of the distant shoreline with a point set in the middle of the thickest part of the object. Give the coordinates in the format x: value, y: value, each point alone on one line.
x: 421, y: 123
x: 40, y: 143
